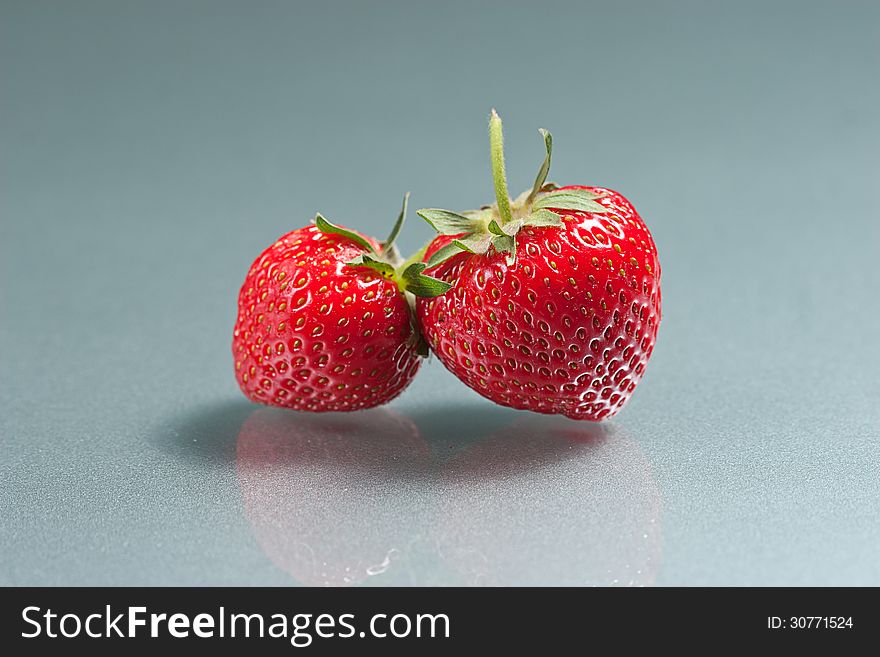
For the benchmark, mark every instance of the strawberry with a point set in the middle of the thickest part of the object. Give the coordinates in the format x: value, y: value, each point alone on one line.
x: 325, y: 320
x: 556, y: 299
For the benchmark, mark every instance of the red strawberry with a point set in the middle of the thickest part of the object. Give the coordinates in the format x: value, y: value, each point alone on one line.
x: 324, y: 323
x: 556, y: 301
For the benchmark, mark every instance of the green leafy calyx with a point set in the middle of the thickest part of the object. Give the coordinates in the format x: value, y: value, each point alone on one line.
x: 386, y: 259
x: 496, y: 226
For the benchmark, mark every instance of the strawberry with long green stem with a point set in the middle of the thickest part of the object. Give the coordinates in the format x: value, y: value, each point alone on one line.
x: 555, y: 303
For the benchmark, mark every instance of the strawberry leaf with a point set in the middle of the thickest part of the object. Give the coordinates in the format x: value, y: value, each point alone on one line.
x: 513, y: 227
x: 570, y: 199
x: 545, y: 167
x: 385, y: 269
x: 421, y: 285
x: 494, y: 228
x: 395, y: 231
x: 542, y: 218
x: 444, y: 254
x: 477, y: 243
x: 510, y: 228
x: 449, y: 223
x: 332, y: 229
x: 506, y: 244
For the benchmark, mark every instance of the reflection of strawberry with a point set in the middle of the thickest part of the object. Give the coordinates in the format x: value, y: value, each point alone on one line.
x: 556, y: 303
x: 547, y: 502
x: 324, y: 323
x: 326, y: 495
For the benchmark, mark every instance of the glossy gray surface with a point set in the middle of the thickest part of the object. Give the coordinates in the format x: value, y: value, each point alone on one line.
x: 150, y: 150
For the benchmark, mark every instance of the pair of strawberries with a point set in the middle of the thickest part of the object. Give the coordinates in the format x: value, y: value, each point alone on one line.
x: 549, y: 302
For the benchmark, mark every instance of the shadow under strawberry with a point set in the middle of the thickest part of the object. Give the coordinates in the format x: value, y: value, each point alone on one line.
x: 205, y: 434
x: 453, y: 429
x: 548, y: 501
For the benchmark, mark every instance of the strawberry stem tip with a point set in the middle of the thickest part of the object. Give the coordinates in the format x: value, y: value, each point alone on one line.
x: 389, y: 248
x: 545, y: 167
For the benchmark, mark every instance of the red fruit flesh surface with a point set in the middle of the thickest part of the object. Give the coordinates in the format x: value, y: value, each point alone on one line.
x: 315, y: 334
x: 568, y: 328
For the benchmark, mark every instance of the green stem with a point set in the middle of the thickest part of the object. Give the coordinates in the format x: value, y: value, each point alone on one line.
x: 499, y: 177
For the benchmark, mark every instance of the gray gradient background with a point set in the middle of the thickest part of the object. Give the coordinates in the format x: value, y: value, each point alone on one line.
x: 150, y: 150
